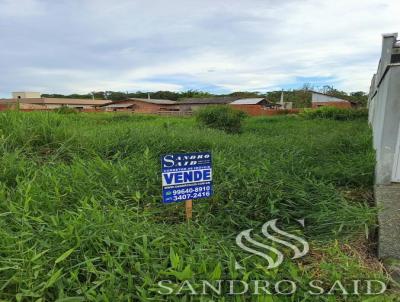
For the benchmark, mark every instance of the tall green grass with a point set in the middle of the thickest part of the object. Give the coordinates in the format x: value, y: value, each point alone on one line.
x: 334, y: 113
x: 221, y: 117
x: 81, y: 217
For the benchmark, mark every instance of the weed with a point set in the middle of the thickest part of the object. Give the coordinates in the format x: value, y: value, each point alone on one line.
x: 334, y: 113
x: 81, y: 217
x: 221, y: 117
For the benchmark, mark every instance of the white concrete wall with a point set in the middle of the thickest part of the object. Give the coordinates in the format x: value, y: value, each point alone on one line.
x: 321, y: 98
x: 396, y: 160
x: 26, y: 95
x: 384, y: 114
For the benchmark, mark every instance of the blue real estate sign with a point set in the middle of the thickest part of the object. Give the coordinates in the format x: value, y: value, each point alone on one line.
x: 186, y: 176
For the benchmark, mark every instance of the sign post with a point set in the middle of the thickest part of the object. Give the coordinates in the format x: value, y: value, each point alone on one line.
x: 186, y: 176
x: 189, y: 209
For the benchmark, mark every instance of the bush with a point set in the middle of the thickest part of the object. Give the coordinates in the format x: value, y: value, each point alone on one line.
x: 333, y: 113
x: 65, y: 110
x: 221, y: 117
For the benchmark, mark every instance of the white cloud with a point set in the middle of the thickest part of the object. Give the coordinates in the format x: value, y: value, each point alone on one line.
x: 79, y: 46
x: 20, y: 8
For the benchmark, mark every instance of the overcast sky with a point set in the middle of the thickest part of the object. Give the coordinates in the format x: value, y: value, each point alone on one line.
x: 214, y: 45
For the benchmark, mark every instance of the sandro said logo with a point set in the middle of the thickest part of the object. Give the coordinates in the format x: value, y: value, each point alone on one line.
x: 269, y: 252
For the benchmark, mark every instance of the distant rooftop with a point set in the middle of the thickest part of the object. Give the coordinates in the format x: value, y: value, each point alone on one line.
x: 248, y: 101
x: 125, y: 103
x: 59, y: 101
x: 154, y: 101
x: 118, y: 105
x: 211, y: 100
x: 325, y: 98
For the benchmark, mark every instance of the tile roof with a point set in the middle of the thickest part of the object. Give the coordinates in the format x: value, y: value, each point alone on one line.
x: 60, y: 101
x: 328, y: 98
x: 212, y: 100
x: 118, y: 105
x: 248, y: 101
x: 153, y: 101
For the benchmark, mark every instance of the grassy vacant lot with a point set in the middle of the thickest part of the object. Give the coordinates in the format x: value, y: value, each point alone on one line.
x: 81, y: 213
